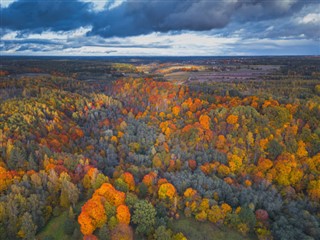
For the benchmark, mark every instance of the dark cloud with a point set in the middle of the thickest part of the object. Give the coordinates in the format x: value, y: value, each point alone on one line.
x: 30, y: 41
x: 33, y: 45
x: 32, y: 48
x: 293, y: 30
x: 136, y: 17
x: 276, y: 47
x: 41, y: 15
x: 258, y: 10
x: 288, y: 27
x: 47, y: 45
x: 142, y: 17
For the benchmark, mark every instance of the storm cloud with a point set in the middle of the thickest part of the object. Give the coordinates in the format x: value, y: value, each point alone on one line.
x: 142, y: 17
x: 134, y: 17
x: 40, y: 15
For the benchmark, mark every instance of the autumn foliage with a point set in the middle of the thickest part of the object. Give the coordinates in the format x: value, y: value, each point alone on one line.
x: 123, y: 214
x: 166, y: 190
x: 108, y: 193
x: 205, y: 121
x: 141, y: 147
x: 92, y: 216
x: 128, y: 178
x: 93, y: 213
x: 232, y: 119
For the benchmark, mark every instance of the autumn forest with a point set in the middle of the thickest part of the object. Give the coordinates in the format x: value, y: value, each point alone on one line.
x: 160, y: 148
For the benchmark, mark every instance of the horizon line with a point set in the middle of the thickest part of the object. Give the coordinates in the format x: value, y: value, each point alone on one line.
x: 174, y: 56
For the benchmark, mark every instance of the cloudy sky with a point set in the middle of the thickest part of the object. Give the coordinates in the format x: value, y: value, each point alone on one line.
x: 160, y: 27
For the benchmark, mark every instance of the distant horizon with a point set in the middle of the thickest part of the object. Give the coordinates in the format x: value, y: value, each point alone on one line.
x: 160, y: 56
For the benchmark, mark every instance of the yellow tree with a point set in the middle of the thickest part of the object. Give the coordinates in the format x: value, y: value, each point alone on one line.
x: 302, y: 152
x: 166, y: 190
x: 205, y: 121
x: 314, y: 190
x: 176, y: 110
x: 232, y: 119
x: 123, y: 214
x: 235, y: 162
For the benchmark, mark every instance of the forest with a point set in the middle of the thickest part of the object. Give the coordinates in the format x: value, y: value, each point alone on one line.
x: 136, y: 148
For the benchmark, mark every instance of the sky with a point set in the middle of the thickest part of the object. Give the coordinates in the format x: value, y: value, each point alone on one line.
x: 160, y: 27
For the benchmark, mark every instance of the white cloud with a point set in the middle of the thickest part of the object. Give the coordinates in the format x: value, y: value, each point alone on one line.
x: 270, y: 28
x: 285, y: 4
x: 9, y: 36
x: 6, y: 3
x: 311, y: 18
x: 187, y: 43
x: 99, y: 5
x: 116, y: 3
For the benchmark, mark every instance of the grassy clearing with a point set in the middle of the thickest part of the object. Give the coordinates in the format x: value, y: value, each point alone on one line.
x: 178, y: 76
x: 54, y: 227
x: 195, y: 230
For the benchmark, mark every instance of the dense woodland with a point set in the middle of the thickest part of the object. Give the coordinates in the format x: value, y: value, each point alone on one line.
x: 127, y: 158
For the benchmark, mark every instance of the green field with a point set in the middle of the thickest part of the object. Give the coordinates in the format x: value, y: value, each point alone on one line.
x: 54, y: 229
x: 195, y: 230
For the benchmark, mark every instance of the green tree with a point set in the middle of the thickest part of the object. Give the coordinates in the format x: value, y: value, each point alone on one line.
x: 144, y: 216
x: 162, y: 233
x: 131, y: 199
x: 28, y: 228
x: 32, y: 164
x: 69, y: 194
x: 121, y: 185
x: 143, y: 190
x: 100, y: 179
x: 104, y: 233
x: 110, y: 209
x: 17, y: 159
x: 3, y: 217
x: 317, y: 89
x: 274, y: 149
x: 248, y: 217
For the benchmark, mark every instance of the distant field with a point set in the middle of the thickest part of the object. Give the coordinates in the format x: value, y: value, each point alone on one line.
x: 178, y: 76
x: 223, y: 74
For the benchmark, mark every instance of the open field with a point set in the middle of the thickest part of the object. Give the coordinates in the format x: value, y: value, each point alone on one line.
x: 54, y: 230
x: 206, y: 231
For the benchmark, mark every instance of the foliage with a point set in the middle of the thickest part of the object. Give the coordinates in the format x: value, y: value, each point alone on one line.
x: 138, y: 150
x: 144, y: 216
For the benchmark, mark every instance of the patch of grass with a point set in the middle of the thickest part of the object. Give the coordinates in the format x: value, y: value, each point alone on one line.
x: 55, y: 227
x: 195, y: 230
